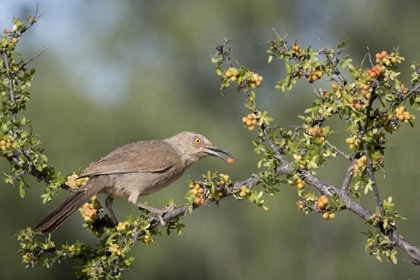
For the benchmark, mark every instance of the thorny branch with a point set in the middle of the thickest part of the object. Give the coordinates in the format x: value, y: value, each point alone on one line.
x: 285, y: 168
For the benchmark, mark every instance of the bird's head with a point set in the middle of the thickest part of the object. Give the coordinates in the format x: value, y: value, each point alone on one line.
x: 193, y: 146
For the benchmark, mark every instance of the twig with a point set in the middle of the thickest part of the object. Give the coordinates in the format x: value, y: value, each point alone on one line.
x: 338, y: 151
x: 272, y: 145
x: 369, y: 169
x: 347, y: 179
x: 33, y: 58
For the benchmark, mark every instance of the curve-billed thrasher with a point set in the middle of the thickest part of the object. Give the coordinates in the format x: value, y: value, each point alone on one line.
x: 133, y: 170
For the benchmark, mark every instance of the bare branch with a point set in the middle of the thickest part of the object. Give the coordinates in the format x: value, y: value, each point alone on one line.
x: 338, y: 151
x: 347, y: 179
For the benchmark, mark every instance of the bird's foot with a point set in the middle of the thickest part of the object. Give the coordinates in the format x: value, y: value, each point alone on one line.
x: 161, y: 219
x: 163, y: 212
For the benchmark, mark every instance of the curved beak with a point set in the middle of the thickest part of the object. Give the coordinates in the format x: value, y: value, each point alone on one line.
x: 214, y: 151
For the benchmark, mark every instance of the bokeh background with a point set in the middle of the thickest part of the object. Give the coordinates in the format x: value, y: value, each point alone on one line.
x: 121, y: 71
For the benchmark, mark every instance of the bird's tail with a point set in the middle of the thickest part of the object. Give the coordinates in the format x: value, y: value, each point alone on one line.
x: 64, y: 210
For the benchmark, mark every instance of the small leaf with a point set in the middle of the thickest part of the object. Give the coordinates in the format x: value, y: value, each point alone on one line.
x: 22, y: 189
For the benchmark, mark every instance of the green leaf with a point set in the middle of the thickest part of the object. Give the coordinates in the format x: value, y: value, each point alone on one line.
x: 22, y: 189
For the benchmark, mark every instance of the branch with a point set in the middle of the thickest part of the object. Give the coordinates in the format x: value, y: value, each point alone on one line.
x: 338, y: 151
x: 369, y: 168
x: 347, y: 179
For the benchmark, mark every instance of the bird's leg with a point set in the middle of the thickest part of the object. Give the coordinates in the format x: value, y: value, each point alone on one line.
x: 108, y: 205
x: 159, y: 213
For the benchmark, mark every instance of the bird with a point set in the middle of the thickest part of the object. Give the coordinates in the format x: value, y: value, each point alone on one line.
x: 135, y: 169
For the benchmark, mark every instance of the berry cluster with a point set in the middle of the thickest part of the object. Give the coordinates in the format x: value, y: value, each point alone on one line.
x: 322, y: 202
x: 75, y: 183
x: 353, y: 142
x: 360, y: 165
x: 197, y: 191
x: 385, y: 58
x: 5, y: 143
x: 366, y: 91
x: 255, y: 80
x: 245, y: 191
x: 402, y: 115
x: 90, y: 209
x: 224, y: 180
x: 328, y: 215
x: 314, y: 75
x: 389, y: 122
x: 249, y: 121
x: 115, y: 249
x: 232, y: 74
x: 299, y: 183
x: 374, y: 72
x: 317, y: 133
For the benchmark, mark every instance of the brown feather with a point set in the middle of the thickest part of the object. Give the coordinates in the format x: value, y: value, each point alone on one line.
x: 143, y: 156
x: 64, y: 210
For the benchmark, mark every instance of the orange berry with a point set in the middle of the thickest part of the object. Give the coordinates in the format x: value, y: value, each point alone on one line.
x: 372, y: 74
x: 323, y: 199
x: 244, y: 119
x: 334, y: 86
x: 228, y: 74
x: 376, y: 70
x: 198, y: 201
x: 230, y: 160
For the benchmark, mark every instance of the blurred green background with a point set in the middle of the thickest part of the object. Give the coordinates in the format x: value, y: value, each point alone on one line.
x: 121, y: 71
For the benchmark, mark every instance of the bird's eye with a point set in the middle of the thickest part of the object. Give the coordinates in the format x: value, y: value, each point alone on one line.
x: 197, y: 141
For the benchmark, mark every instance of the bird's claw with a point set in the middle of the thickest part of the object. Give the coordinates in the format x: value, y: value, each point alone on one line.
x: 163, y: 212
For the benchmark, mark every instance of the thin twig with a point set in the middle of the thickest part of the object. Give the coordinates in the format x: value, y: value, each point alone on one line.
x: 347, y: 179
x: 338, y: 151
x: 33, y: 58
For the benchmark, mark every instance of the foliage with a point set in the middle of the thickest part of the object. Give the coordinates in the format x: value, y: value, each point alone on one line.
x: 369, y: 103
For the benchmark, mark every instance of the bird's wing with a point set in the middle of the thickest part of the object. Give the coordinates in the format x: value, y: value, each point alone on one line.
x: 142, y: 157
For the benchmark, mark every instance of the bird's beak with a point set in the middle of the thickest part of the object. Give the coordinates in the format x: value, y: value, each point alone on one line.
x: 213, y: 151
